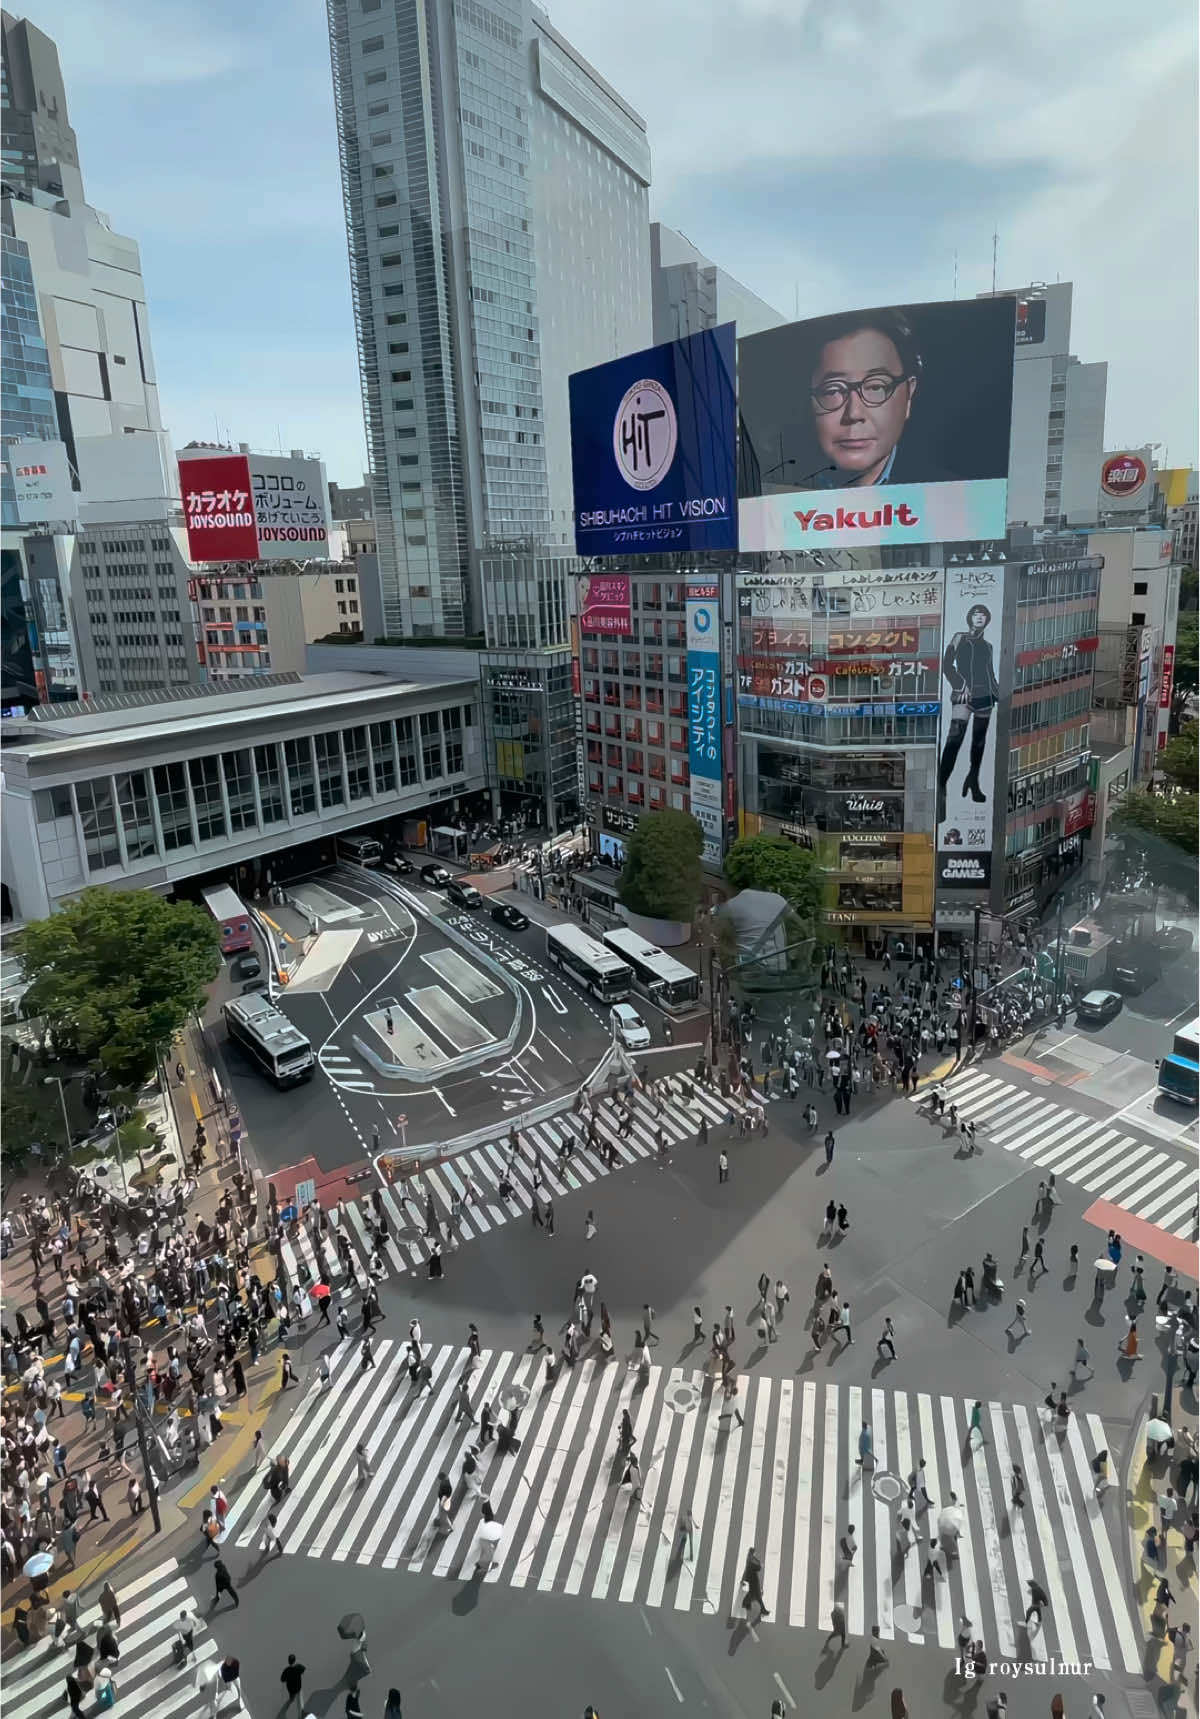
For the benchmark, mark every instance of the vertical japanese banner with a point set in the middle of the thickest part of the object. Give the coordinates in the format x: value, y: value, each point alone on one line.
x: 705, y: 752
x: 971, y: 624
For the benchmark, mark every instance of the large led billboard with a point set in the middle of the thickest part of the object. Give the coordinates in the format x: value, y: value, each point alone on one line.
x: 874, y: 427
x: 972, y: 617
x: 652, y: 449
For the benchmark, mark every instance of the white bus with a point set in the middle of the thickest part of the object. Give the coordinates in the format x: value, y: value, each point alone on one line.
x: 360, y: 850
x: 265, y: 1033
x: 667, y: 983
x: 596, y: 968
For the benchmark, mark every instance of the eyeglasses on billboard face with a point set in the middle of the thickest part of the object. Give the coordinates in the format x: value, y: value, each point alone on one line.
x: 873, y: 390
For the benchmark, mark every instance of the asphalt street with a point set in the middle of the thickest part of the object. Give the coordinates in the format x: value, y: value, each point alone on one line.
x: 587, y: 1625
x: 488, y: 1029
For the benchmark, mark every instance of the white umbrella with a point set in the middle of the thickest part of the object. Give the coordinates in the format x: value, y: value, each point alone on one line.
x: 1157, y: 1430
x: 1107, y: 1266
x: 38, y: 1564
x: 491, y: 1531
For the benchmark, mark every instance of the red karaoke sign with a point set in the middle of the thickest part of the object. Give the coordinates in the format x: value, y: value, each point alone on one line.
x: 218, y: 508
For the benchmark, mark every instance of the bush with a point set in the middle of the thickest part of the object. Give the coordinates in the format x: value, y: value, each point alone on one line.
x: 662, y: 878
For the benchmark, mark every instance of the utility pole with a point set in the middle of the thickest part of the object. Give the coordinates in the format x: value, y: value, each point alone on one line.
x: 143, y: 1447
x: 974, y: 974
x: 1058, y: 955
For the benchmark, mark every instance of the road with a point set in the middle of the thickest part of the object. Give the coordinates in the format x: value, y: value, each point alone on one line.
x: 428, y: 1022
x: 591, y: 1598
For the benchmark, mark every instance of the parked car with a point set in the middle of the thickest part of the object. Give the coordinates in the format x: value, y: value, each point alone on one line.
x: 435, y: 875
x: 463, y: 894
x: 1098, y: 1006
x: 1172, y: 939
x: 1129, y: 979
x: 399, y: 864
x: 247, y: 966
x: 629, y: 1026
x: 504, y: 913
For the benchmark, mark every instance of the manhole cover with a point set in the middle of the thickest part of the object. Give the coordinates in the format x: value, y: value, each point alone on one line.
x: 681, y: 1398
x: 887, y: 1488
x: 911, y: 1619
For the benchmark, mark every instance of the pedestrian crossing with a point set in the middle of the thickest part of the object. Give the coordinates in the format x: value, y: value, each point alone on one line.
x: 469, y: 1183
x: 785, y: 1479
x: 1144, y: 1181
x: 146, y: 1679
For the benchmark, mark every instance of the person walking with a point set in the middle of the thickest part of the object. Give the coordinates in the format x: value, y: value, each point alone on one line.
x: 223, y: 1584
x: 1017, y: 1488
x: 842, y: 1327
x: 866, y: 1446
x: 722, y: 1166
x: 1038, y: 1600
x: 292, y: 1678
x: 887, y: 1340
x: 837, y: 1621
x: 752, y: 1581
x: 975, y: 1432
x: 651, y: 1336
x: 270, y: 1544
x: 1019, y: 1318
x: 830, y: 1144
x: 686, y: 1532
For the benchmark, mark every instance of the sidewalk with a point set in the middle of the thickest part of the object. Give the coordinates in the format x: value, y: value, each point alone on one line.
x: 1148, y: 1479
x: 106, y: 1544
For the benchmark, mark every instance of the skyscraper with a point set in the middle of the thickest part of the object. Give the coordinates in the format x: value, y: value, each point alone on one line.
x: 496, y: 208
x: 40, y: 152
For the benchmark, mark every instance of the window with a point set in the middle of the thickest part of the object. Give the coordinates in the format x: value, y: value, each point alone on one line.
x: 270, y: 790
x: 393, y: 260
x: 1137, y: 620
x: 397, y: 346
x: 1140, y: 587
x: 393, y: 291
x: 99, y: 818
x: 431, y: 744
x: 389, y: 232
x: 401, y: 375
x: 371, y: 5
x: 396, y: 316
x: 382, y: 758
x: 387, y: 202
x: 133, y: 799
x: 376, y: 77
x: 452, y: 728
x: 205, y: 778
x: 170, y: 788
x: 52, y: 803
x: 407, y: 749
x: 239, y: 791
x: 383, y: 172
x: 301, y: 785
x: 329, y: 768
x: 379, y: 139
x: 372, y: 44
x: 358, y: 769
x: 376, y: 108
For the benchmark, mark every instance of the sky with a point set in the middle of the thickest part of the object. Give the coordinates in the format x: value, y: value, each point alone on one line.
x: 827, y: 156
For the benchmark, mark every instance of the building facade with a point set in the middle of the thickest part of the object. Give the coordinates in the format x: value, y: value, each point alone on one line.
x: 691, y: 293
x: 144, y: 794
x: 40, y: 151
x: 1137, y: 620
x: 495, y: 204
x: 1058, y: 415
x: 261, y: 619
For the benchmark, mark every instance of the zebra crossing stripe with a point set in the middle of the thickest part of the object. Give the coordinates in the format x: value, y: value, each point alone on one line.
x: 1041, y: 1521
x: 905, y: 1465
x: 855, y: 1591
x: 669, y: 1534
x: 1111, y: 1584
x: 941, y: 1590
x: 708, y: 1450
x: 991, y: 1539
x: 626, y: 1504
x: 808, y: 1407
x: 777, y: 1500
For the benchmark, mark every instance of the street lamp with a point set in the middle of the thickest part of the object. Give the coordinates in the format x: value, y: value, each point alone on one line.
x: 55, y: 1080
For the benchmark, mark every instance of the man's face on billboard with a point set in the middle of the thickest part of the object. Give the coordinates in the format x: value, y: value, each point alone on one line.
x: 857, y: 435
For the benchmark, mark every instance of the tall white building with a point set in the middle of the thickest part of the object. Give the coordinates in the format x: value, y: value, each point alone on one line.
x: 691, y: 293
x: 495, y: 191
x: 1058, y: 415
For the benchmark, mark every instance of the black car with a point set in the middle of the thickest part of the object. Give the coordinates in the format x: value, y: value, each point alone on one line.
x: 247, y: 966
x: 435, y: 875
x: 504, y: 914
x: 399, y: 864
x: 463, y: 894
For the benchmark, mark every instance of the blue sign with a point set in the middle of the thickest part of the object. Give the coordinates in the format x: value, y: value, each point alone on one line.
x: 704, y: 715
x: 653, y: 448
x: 752, y: 701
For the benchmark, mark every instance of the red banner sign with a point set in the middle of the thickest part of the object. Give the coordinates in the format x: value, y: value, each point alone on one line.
x: 1077, y: 648
x: 1080, y: 814
x: 218, y: 508
x: 1168, y: 678
x: 606, y: 604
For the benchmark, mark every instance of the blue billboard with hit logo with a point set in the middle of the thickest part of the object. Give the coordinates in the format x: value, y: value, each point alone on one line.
x: 653, y: 448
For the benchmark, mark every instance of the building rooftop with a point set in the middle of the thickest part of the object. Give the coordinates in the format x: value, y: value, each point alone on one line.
x: 154, y: 716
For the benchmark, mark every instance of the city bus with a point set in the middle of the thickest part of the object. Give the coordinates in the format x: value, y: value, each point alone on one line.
x: 593, y: 966
x: 237, y: 931
x: 264, y: 1032
x: 1179, y: 1073
x: 667, y: 983
x: 360, y: 850
x: 598, y: 891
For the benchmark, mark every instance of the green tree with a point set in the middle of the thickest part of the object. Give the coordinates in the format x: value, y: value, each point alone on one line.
x: 661, y: 877
x: 774, y: 863
x: 116, y: 973
x: 1160, y: 837
x: 1180, y: 758
x: 1187, y: 668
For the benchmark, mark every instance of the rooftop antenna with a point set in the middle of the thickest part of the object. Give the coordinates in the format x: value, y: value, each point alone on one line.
x: 995, y: 247
x: 956, y: 271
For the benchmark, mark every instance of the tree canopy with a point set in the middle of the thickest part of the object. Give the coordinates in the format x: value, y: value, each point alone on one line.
x: 1159, y: 834
x: 115, y: 974
x: 661, y: 877
x: 775, y: 863
x: 1180, y: 758
x: 1187, y: 667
